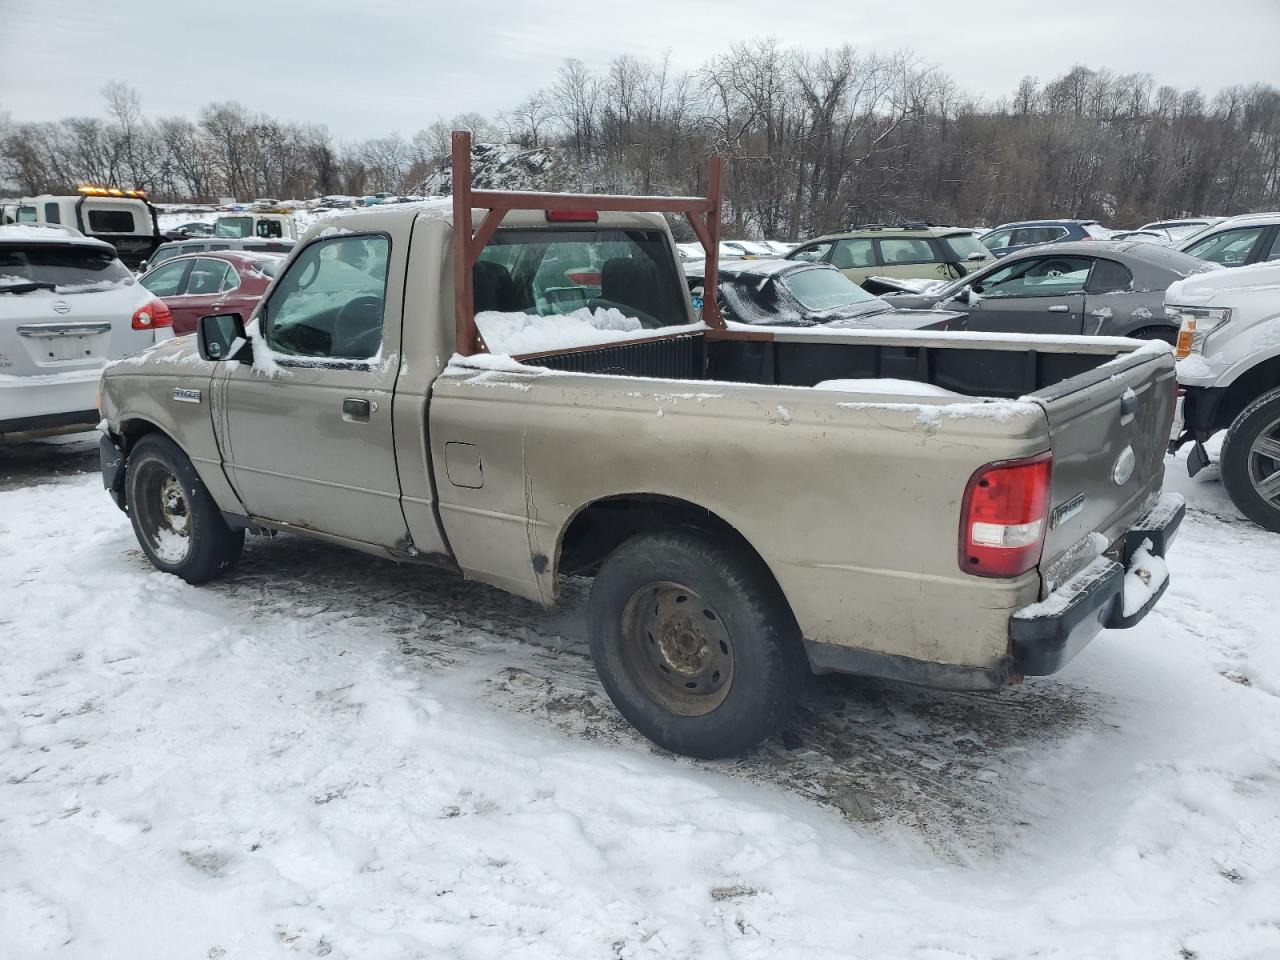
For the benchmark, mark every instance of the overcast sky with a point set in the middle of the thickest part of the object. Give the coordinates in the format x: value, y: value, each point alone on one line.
x: 368, y: 67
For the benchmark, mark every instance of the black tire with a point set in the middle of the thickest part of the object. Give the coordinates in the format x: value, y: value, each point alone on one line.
x: 1168, y: 334
x: 1250, y: 463
x: 177, y: 524
x: 694, y: 643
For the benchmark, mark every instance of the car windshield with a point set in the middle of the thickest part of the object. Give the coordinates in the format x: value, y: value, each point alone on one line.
x: 233, y: 227
x: 70, y: 269
x: 827, y: 290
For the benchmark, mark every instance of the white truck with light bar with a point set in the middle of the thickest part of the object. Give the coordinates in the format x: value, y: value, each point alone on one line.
x: 125, y: 219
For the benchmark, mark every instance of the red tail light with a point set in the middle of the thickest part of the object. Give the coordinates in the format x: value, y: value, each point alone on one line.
x: 572, y: 216
x: 154, y: 314
x: 1004, y: 517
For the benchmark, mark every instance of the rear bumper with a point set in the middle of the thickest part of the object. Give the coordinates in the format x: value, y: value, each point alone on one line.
x: 49, y: 423
x: 48, y: 401
x: 1046, y: 635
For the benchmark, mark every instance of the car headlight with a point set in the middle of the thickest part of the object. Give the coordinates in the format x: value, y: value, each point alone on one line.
x: 1195, y: 325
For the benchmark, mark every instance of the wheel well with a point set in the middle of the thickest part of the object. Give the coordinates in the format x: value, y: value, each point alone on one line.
x: 1166, y: 332
x: 1247, y: 387
x: 131, y: 431
x: 600, y: 527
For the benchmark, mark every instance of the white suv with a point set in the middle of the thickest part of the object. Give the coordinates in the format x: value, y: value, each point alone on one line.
x: 1236, y: 241
x: 1229, y: 368
x: 67, y: 306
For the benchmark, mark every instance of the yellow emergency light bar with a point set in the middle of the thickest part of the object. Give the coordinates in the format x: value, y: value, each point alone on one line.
x: 110, y: 192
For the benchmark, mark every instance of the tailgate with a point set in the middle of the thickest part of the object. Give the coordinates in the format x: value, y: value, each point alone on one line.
x: 1108, y: 432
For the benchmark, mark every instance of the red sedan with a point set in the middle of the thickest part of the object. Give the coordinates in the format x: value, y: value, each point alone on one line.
x: 200, y: 284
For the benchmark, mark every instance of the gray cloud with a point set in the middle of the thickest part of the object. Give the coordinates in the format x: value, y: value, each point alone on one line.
x: 380, y: 65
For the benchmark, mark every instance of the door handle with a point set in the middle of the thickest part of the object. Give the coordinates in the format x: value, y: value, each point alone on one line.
x: 356, y: 409
x: 1060, y: 308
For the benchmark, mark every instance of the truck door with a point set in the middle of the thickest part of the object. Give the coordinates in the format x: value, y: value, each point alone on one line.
x: 309, y: 424
x: 1043, y: 294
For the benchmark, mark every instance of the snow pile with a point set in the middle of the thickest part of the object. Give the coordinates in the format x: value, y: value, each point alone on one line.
x: 911, y: 388
x: 1195, y: 367
x: 1146, y: 575
x: 520, y: 333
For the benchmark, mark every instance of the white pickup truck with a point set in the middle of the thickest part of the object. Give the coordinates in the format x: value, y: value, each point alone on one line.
x: 1229, y: 368
x: 531, y: 396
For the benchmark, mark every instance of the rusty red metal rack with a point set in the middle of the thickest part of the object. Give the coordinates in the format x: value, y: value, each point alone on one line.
x: 470, y: 241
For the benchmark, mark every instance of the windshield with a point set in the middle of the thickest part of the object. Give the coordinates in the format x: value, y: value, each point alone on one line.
x: 70, y: 269
x: 965, y: 245
x: 233, y: 227
x: 541, y: 289
x: 827, y: 290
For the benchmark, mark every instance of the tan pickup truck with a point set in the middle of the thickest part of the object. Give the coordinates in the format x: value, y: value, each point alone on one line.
x: 532, y: 398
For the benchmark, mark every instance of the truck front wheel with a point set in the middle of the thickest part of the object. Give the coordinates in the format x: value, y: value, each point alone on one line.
x: 694, y: 643
x: 1251, y: 461
x: 177, y: 524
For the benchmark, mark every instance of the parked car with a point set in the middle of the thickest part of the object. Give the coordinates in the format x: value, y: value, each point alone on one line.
x: 922, y: 252
x: 797, y: 294
x: 1229, y: 369
x: 194, y: 285
x: 975, y: 509
x: 1237, y: 241
x: 1011, y: 237
x: 1174, y: 230
x: 178, y: 248
x: 67, y: 306
x: 184, y: 231
x: 1099, y: 288
x: 125, y: 219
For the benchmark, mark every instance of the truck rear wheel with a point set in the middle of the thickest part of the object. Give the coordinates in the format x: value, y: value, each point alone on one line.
x: 1251, y: 461
x: 177, y: 524
x: 694, y: 643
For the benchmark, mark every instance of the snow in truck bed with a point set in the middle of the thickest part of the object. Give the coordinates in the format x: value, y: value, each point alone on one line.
x: 325, y: 755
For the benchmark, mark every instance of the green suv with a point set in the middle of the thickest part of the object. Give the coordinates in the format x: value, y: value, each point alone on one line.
x: 911, y: 251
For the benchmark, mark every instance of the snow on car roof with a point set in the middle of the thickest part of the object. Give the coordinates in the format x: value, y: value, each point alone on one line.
x: 40, y: 233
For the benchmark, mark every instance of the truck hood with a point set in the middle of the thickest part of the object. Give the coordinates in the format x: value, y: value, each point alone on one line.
x: 178, y: 354
x: 1201, y: 288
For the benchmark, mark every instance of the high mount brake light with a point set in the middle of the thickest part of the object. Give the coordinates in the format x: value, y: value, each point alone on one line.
x: 1004, y: 517
x: 152, y: 315
x: 572, y: 216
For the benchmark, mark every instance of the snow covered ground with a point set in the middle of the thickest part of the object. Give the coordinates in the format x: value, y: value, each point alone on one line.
x: 327, y: 755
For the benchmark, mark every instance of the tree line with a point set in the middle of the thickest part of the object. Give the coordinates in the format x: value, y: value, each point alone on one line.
x: 812, y: 141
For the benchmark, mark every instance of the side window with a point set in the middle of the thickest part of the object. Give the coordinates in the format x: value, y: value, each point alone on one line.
x: 1029, y: 235
x: 1108, y: 276
x: 230, y: 280
x: 1230, y: 248
x: 1038, y: 277
x: 269, y: 228
x: 206, y: 277
x: 329, y: 303
x: 52, y: 214
x: 853, y: 253
x: 1274, y: 252
x: 110, y: 221
x: 997, y: 239
x: 905, y: 250
x: 166, y: 281
x: 213, y: 246
x: 27, y: 215
x: 812, y: 253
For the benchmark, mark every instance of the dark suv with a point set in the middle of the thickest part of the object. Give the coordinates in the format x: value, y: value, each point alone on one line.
x: 1008, y: 237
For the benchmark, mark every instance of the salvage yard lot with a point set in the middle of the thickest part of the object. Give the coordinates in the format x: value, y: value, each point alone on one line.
x: 325, y: 754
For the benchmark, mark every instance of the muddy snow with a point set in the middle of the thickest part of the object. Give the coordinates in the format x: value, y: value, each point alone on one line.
x: 328, y: 755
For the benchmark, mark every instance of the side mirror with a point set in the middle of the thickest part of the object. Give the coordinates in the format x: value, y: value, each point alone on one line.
x: 962, y: 296
x: 222, y: 337
x: 977, y: 256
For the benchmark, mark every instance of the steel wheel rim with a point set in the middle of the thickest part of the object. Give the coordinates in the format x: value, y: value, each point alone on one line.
x: 677, y: 647
x: 164, y: 514
x: 1264, y: 463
